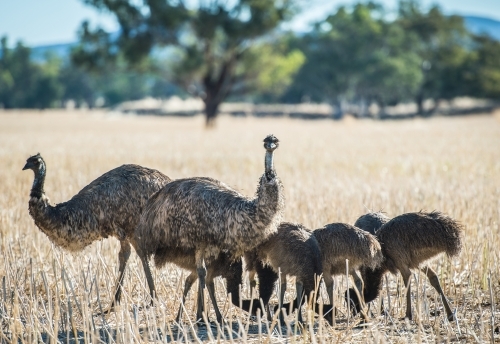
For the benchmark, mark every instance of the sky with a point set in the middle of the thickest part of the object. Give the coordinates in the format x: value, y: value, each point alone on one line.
x: 42, y: 22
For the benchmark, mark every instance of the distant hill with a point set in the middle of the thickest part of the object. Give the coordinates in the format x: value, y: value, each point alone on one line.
x: 61, y: 50
x: 475, y: 24
x: 480, y: 25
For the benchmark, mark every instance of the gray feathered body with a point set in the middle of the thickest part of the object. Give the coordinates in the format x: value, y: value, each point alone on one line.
x: 221, y: 265
x: 194, y: 212
x: 371, y: 222
x: 108, y: 206
x: 410, y: 239
x: 341, y: 241
x: 293, y: 250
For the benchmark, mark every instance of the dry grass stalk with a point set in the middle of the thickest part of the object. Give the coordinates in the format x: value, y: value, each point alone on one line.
x: 331, y: 172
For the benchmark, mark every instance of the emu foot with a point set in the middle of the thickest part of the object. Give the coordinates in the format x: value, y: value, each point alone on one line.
x: 408, y: 317
x: 452, y: 317
x: 105, y: 312
x: 435, y: 312
x: 201, y: 322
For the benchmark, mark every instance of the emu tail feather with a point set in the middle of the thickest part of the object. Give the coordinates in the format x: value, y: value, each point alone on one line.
x: 453, y: 230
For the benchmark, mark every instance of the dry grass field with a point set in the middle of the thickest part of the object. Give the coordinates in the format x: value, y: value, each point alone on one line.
x: 332, y: 172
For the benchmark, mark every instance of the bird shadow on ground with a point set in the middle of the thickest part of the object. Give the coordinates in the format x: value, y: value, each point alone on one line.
x: 175, y: 333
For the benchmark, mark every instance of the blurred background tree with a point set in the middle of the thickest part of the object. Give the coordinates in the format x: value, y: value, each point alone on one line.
x: 357, y: 56
x: 442, y: 47
x: 213, y: 39
x: 238, y: 51
x: 24, y: 83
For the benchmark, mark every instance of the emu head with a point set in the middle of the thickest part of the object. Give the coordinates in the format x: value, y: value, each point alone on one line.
x: 34, y: 163
x: 271, y: 142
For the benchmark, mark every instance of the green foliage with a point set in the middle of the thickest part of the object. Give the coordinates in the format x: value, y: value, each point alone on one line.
x: 355, y: 54
x: 213, y: 39
x: 442, y: 47
x: 482, y: 68
x: 230, y: 50
x: 267, y: 70
x: 24, y: 83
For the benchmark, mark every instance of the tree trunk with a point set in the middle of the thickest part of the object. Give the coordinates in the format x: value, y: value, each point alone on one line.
x: 211, y: 111
x: 420, y: 103
x: 217, y: 88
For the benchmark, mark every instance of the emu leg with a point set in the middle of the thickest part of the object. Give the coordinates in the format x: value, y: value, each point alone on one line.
x: 202, y: 273
x: 187, y: 286
x: 300, y: 296
x: 359, y: 285
x: 211, y: 292
x: 434, y: 280
x: 123, y: 257
x: 358, y: 282
x: 329, y: 287
x: 406, y: 273
x: 282, y: 297
x: 149, y: 276
x: 328, y: 279
x: 253, y: 283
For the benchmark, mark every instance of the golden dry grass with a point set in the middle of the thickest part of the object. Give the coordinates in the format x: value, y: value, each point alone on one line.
x: 332, y: 172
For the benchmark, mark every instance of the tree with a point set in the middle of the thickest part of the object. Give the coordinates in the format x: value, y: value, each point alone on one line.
x: 441, y: 45
x: 482, y: 69
x: 355, y: 55
x: 25, y: 84
x: 213, y: 39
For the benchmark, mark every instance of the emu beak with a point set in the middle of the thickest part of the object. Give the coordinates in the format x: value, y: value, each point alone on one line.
x: 27, y: 166
x: 272, y: 146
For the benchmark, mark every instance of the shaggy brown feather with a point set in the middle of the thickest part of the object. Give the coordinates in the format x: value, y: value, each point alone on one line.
x: 408, y: 241
x: 338, y: 242
x: 223, y: 265
x: 208, y: 217
x: 371, y: 222
x: 293, y: 251
x: 108, y: 206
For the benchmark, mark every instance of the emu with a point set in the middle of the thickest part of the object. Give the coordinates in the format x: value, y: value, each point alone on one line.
x: 371, y: 222
x: 407, y: 241
x: 222, y: 265
x: 208, y: 217
x: 108, y: 206
x: 338, y: 242
x: 294, y: 251
x: 341, y: 241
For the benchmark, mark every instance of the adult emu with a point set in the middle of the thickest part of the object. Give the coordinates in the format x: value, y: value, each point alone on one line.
x: 407, y: 241
x: 208, y: 217
x: 109, y: 206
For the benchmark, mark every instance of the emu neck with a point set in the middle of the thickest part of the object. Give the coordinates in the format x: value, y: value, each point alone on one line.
x: 269, y: 163
x: 37, y: 188
x: 373, y: 282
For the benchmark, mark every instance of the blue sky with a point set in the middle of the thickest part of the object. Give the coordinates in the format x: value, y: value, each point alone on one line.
x: 38, y: 22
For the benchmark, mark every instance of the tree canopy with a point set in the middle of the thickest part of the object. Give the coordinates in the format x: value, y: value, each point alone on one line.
x: 236, y: 50
x: 213, y: 38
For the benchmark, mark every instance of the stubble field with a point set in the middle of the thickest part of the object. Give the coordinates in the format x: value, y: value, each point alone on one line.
x: 331, y: 171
